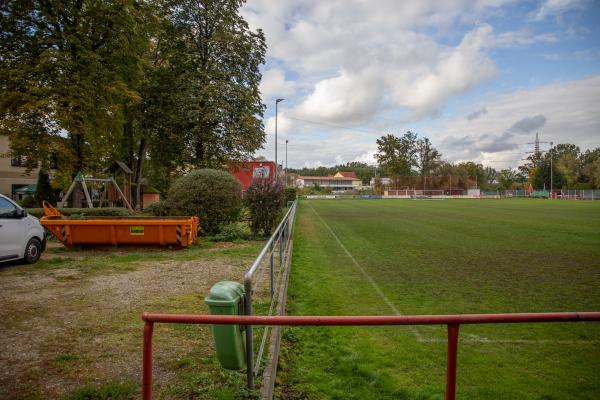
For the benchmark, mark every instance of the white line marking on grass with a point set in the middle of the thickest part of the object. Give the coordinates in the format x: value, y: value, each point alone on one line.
x: 386, y: 300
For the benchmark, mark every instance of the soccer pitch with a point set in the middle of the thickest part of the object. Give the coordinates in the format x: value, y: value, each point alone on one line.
x: 386, y: 257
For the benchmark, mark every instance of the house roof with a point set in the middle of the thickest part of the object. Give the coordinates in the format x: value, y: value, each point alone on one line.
x: 329, y: 178
x: 347, y: 174
x: 120, y: 165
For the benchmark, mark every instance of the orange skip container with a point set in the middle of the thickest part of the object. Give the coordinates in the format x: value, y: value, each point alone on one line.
x: 120, y: 231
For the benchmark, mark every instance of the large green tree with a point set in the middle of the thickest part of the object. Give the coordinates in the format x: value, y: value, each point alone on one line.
x: 398, y: 155
x: 65, y: 71
x: 200, y: 102
x: 428, y: 158
x: 175, y: 82
x: 506, y: 178
x: 221, y: 57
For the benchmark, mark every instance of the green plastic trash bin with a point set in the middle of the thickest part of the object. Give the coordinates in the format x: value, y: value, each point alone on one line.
x: 226, y: 298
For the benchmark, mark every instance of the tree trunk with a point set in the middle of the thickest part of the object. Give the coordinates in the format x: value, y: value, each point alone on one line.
x: 138, y: 174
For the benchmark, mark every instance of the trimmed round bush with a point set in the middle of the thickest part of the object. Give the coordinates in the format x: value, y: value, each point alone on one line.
x: 212, y: 195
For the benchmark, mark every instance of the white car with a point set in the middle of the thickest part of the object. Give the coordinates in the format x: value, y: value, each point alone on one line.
x: 21, y: 235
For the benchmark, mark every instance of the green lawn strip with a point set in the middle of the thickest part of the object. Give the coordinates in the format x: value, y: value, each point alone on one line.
x: 447, y: 257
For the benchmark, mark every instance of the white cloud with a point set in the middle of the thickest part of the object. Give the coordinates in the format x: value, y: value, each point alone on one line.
x: 413, y: 73
x: 557, y: 7
x: 354, y: 59
x: 562, y: 113
x: 274, y: 85
x: 315, y: 164
x: 284, y: 125
x: 367, y: 157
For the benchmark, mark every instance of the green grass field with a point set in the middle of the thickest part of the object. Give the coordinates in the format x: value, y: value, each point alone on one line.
x: 444, y: 257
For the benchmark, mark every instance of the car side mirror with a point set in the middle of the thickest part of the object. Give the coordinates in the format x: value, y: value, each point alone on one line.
x: 21, y: 213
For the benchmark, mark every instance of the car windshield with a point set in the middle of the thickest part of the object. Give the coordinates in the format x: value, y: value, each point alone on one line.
x: 7, y: 209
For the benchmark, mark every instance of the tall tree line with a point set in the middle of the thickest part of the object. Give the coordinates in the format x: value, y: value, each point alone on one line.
x: 408, y: 155
x: 163, y: 85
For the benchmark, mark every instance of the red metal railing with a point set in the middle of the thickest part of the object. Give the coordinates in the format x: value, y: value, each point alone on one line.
x: 452, y: 321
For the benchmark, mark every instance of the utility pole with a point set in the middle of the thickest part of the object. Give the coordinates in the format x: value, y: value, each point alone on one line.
x: 286, y: 143
x: 276, y: 103
x: 538, y: 155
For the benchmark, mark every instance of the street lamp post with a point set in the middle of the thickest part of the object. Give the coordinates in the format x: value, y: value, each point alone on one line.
x: 277, y: 101
x: 286, y: 143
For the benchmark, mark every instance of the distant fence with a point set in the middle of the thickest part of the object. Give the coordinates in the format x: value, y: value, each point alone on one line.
x: 574, y: 194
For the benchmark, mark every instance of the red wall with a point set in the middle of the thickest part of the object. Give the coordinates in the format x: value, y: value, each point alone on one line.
x: 246, y: 171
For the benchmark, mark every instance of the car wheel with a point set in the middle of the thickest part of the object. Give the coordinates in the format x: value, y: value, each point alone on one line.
x: 33, y: 251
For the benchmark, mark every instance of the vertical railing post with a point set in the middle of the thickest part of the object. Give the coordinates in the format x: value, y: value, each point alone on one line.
x: 451, y: 367
x: 249, y: 337
x: 147, y: 362
x: 272, y: 270
x: 280, y: 247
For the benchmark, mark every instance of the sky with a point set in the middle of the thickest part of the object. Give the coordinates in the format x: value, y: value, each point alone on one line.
x: 479, y: 78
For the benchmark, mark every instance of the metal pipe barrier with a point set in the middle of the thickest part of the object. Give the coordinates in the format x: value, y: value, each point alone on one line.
x: 278, y: 243
x: 453, y: 323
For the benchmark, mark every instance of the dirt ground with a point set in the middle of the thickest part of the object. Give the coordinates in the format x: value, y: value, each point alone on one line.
x: 74, y: 318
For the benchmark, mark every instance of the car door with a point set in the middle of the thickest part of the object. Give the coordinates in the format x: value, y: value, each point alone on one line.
x: 12, y: 231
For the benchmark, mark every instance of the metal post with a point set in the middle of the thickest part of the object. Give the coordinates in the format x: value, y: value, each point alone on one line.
x: 147, y: 362
x: 249, y: 338
x: 272, y: 271
x: 451, y: 367
x: 280, y: 247
x: 551, y: 172
x: 277, y: 101
x: 286, y: 143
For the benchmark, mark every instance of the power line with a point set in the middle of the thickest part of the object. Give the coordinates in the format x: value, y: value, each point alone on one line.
x: 330, y: 125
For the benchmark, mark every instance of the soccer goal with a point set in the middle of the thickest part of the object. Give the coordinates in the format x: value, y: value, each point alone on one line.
x: 429, y: 194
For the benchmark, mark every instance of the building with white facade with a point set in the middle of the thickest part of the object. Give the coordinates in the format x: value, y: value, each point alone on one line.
x: 341, y: 181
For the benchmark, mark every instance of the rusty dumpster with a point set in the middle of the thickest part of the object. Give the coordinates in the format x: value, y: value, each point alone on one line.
x: 120, y: 231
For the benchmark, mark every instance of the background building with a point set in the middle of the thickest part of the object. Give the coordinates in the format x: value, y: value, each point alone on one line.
x: 245, y: 172
x: 341, y: 181
x: 13, y: 175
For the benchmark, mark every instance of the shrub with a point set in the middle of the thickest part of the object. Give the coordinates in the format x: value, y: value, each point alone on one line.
x: 158, y: 209
x: 290, y: 194
x: 214, y: 196
x: 28, y: 201
x: 265, y: 200
x: 231, y: 232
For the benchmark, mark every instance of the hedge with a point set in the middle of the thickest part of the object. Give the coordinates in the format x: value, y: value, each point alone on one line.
x: 85, y: 212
